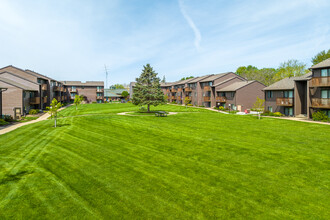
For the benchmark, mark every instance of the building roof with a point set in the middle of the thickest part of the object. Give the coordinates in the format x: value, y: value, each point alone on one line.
x: 283, y: 84
x: 181, y: 82
x: 305, y: 77
x: 213, y: 77
x: 39, y: 75
x: 165, y: 84
x: 227, y: 80
x: 20, y: 85
x: 236, y: 86
x: 79, y: 83
x: 324, y: 63
x: 197, y: 79
x: 113, y: 92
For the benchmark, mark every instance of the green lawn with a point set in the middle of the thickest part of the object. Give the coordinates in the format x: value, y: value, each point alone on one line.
x: 197, y: 164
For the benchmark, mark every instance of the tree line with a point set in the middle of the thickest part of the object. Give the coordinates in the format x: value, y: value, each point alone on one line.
x: 286, y: 69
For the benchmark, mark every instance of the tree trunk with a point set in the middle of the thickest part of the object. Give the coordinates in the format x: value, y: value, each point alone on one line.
x: 148, y: 108
x: 55, y: 122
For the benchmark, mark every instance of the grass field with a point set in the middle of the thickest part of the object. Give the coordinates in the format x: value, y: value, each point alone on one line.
x: 196, y: 164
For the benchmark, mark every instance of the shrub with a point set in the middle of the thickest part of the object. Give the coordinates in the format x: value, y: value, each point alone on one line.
x: 3, y: 122
x: 129, y: 101
x: 221, y: 108
x: 143, y: 109
x: 7, y: 118
x: 201, y: 106
x: 173, y: 102
x: 276, y: 114
x: 216, y: 108
x: 267, y: 113
x: 94, y: 102
x: 190, y: 105
x: 320, y: 116
x: 33, y: 111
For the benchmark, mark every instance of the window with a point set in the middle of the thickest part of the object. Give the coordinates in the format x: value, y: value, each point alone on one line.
x: 325, y: 93
x: 269, y: 94
x: 288, y: 94
x: 232, y: 94
x: 72, y: 96
x: 210, y: 83
x: 288, y: 111
x: 270, y: 108
x: 325, y: 72
x: 195, y: 94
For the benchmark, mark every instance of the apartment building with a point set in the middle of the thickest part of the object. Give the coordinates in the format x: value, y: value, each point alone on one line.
x: 240, y: 95
x: 301, y: 96
x: 27, y: 89
x: 279, y: 97
x: 209, y: 91
x: 318, y: 97
x: 93, y: 91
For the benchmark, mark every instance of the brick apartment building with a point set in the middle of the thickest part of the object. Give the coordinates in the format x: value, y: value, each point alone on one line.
x: 93, y: 91
x: 225, y: 89
x: 26, y: 90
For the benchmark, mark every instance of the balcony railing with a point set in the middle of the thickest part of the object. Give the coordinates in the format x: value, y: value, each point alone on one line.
x: 284, y: 101
x: 320, y: 81
x: 44, y: 99
x: 207, y: 88
x: 173, y: 90
x: 99, y: 90
x: 168, y: 90
x: 179, y: 98
x: 187, y: 89
x: 35, y: 100
x: 58, y: 98
x: 207, y: 98
x: 320, y: 103
x: 173, y: 98
x: 62, y: 89
x: 56, y: 88
x: 179, y: 89
x: 44, y: 87
x: 221, y: 99
x: 99, y: 97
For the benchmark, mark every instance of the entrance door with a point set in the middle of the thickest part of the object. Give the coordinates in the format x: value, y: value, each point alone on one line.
x: 239, y: 108
x: 18, y: 113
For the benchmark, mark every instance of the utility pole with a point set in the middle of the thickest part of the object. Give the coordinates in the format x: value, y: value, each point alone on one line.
x: 106, y: 76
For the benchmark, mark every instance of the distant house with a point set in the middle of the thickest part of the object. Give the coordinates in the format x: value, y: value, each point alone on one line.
x: 113, y: 94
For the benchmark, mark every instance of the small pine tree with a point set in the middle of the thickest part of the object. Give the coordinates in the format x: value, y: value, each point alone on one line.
x: 147, y: 89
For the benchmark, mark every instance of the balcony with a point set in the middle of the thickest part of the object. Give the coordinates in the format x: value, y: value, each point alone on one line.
x: 320, y: 82
x: 168, y: 90
x: 221, y: 99
x: 179, y: 89
x: 320, y: 103
x: 58, y: 98
x: 99, y: 90
x: 188, y: 89
x: 99, y: 97
x: 173, y: 98
x: 62, y: 89
x: 44, y: 99
x: 35, y: 100
x: 284, y: 101
x: 207, y: 98
x: 73, y: 90
x: 179, y: 98
x: 173, y: 90
x: 44, y: 87
x: 56, y: 88
x: 207, y: 88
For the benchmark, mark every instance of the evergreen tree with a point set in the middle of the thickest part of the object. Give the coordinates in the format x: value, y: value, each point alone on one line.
x: 147, y: 89
x: 164, y: 80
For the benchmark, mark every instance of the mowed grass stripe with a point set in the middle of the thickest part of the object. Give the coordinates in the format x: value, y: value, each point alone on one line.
x: 186, y: 166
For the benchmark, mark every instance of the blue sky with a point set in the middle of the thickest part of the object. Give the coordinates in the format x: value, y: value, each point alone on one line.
x: 74, y: 39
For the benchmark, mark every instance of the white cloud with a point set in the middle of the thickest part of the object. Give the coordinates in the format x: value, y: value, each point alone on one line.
x: 198, y: 36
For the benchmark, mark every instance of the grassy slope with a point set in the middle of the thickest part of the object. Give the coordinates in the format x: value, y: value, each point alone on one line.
x: 199, y: 165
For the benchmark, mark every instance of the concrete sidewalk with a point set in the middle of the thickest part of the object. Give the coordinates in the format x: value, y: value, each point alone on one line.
x: 15, y: 126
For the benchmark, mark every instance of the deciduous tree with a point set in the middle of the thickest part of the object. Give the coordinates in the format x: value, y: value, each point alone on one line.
x: 259, y: 106
x: 147, y: 89
x: 53, y: 109
x: 321, y: 56
x: 77, y: 100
